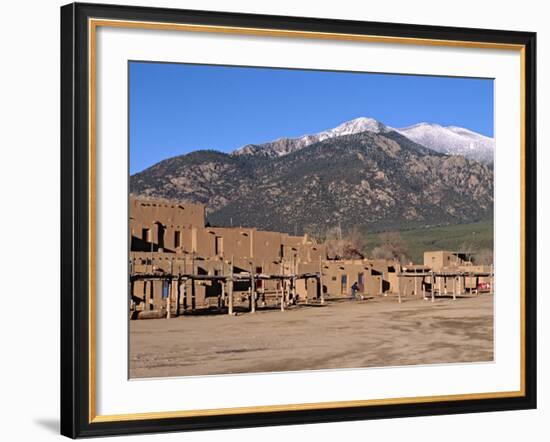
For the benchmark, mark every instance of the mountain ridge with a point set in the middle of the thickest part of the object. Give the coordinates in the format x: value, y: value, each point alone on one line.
x: 451, y: 140
x: 373, y: 180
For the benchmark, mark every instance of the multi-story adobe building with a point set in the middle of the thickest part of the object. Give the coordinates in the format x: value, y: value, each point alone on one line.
x: 172, y: 238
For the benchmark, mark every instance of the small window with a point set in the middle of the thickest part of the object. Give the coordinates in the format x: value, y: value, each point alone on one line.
x: 177, y: 239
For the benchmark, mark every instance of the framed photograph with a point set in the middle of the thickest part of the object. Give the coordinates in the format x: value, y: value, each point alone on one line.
x: 274, y: 220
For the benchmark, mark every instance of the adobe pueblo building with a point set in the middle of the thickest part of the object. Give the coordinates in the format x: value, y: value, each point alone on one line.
x: 178, y: 264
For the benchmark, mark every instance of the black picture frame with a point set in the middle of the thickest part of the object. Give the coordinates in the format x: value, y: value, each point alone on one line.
x: 75, y: 221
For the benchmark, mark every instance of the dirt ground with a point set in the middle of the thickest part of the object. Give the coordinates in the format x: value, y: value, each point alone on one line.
x: 345, y: 334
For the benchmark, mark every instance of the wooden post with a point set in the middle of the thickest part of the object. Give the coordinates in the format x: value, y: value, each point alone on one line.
x: 151, y: 248
x: 439, y: 284
x: 432, y: 277
x: 216, y: 283
x: 321, y: 280
x: 223, y: 293
x: 223, y: 284
x: 178, y: 296
x: 230, y: 289
x: 252, y: 290
x: 400, y: 280
x: 185, y: 303
x: 415, y: 285
x: 144, y: 295
x: 193, y: 297
x: 169, y: 298
x: 281, y: 283
x: 423, y: 284
x: 168, y: 306
x: 454, y: 288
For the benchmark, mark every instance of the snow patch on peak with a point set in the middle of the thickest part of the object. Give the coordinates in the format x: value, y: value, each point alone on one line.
x: 284, y: 146
x: 452, y: 140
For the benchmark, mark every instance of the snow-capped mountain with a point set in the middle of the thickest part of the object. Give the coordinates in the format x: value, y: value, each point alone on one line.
x: 452, y: 140
x: 284, y: 146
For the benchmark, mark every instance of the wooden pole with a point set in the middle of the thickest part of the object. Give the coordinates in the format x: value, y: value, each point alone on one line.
x: 433, y: 286
x: 132, y: 306
x: 185, y: 302
x: 178, y: 296
x: 224, y: 301
x: 193, y: 297
x: 282, y: 294
x: 223, y: 293
x: 282, y: 283
x: 220, y: 293
x: 400, y: 281
x: 423, y: 283
x: 144, y: 295
x: 168, y: 306
x: 252, y: 290
x: 151, y: 237
x: 230, y: 289
x: 168, y: 299
x: 320, y: 282
x: 454, y: 288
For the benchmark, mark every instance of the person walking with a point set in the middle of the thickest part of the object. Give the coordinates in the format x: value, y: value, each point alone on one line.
x: 354, y: 289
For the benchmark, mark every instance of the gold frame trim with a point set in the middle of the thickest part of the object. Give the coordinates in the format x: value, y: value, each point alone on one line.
x: 93, y: 24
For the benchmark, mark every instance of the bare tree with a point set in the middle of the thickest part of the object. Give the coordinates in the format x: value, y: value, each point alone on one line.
x: 314, y: 231
x: 348, y: 246
x: 484, y: 257
x: 392, y: 247
x: 333, y: 243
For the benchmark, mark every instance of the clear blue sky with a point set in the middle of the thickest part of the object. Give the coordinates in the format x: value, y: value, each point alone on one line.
x: 179, y: 108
